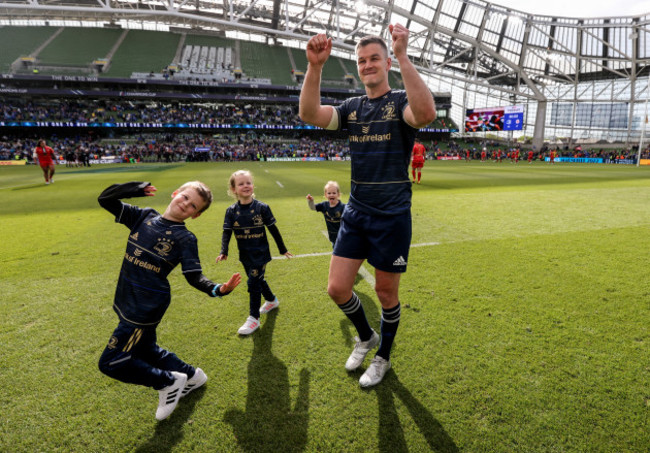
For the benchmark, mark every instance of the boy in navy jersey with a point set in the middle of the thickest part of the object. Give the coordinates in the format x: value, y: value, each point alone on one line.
x: 376, y: 223
x: 247, y: 218
x: 332, y: 209
x: 156, y: 245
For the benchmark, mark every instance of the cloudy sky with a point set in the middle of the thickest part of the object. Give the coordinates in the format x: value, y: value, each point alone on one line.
x: 579, y: 8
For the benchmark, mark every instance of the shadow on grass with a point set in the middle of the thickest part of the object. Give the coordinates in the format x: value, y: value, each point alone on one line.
x: 269, y: 424
x: 169, y: 432
x: 391, y: 432
x: 30, y: 186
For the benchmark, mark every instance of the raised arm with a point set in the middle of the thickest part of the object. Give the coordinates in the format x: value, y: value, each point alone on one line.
x: 421, y: 109
x: 311, y: 111
x: 310, y: 202
x: 110, y: 198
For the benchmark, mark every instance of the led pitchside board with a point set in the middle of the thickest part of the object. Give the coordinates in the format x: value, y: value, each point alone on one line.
x: 495, y: 119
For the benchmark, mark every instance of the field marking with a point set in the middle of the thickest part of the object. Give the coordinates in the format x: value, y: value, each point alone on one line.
x: 305, y: 255
x: 279, y: 184
x: 367, y: 276
x: 425, y: 244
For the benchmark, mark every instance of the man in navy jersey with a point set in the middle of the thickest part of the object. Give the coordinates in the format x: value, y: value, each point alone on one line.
x: 376, y: 222
x: 156, y: 245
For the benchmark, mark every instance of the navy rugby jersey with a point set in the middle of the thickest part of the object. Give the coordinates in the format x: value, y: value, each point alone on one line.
x: 332, y: 217
x: 380, y: 148
x: 155, y: 247
x: 247, y: 223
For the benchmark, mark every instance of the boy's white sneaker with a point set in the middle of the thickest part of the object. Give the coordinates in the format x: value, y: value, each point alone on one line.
x: 375, y: 372
x: 269, y: 305
x: 250, y: 326
x: 195, y: 381
x: 361, y: 348
x: 168, y: 397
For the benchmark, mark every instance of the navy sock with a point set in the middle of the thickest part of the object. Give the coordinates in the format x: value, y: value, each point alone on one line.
x: 354, y: 311
x: 389, y: 323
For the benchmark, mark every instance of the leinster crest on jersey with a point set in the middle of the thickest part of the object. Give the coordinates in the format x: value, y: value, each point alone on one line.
x: 389, y: 111
x: 163, y: 247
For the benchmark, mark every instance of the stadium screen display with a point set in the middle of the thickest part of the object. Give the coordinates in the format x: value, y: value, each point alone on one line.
x: 510, y: 118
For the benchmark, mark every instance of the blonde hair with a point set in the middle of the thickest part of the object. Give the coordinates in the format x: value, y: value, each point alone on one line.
x: 333, y: 184
x: 203, y: 190
x: 231, y: 182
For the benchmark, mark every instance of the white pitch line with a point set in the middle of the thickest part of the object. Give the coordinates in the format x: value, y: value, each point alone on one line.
x: 425, y: 244
x: 367, y: 276
x: 279, y: 184
x: 306, y: 255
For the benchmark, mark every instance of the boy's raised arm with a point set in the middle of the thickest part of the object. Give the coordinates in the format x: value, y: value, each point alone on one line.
x: 110, y: 198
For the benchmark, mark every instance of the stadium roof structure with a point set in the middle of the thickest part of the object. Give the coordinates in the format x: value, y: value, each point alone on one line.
x: 492, y: 53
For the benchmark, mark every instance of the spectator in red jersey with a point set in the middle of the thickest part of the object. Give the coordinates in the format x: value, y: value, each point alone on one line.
x: 46, y: 157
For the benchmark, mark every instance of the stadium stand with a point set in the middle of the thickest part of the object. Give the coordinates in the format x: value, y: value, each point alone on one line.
x: 144, y: 52
x: 24, y: 41
x: 75, y: 49
x: 259, y: 60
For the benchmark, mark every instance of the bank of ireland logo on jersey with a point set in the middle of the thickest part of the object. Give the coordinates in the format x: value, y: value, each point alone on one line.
x: 365, y: 129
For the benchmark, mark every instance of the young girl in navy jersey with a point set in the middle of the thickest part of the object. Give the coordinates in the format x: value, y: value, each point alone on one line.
x: 247, y: 218
x: 332, y: 209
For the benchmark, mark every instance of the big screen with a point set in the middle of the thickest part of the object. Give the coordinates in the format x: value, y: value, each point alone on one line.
x: 509, y: 118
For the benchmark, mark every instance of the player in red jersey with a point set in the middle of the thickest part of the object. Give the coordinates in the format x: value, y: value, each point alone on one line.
x: 417, y: 159
x: 530, y: 156
x: 46, y: 157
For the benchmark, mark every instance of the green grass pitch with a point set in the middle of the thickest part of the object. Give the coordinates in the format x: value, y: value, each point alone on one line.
x: 526, y: 309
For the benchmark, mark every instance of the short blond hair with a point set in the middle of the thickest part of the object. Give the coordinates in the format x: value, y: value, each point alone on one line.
x: 202, y: 189
x: 231, y: 182
x: 332, y: 184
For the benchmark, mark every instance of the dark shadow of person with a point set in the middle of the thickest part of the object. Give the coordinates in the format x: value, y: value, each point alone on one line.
x: 391, y: 432
x: 169, y: 432
x: 269, y: 424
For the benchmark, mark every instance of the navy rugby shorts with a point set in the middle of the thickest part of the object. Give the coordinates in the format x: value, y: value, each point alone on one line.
x: 383, y: 241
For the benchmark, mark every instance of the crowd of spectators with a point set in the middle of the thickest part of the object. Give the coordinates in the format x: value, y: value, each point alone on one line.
x: 248, y: 147
x: 181, y: 147
x: 159, y: 147
x: 158, y: 113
